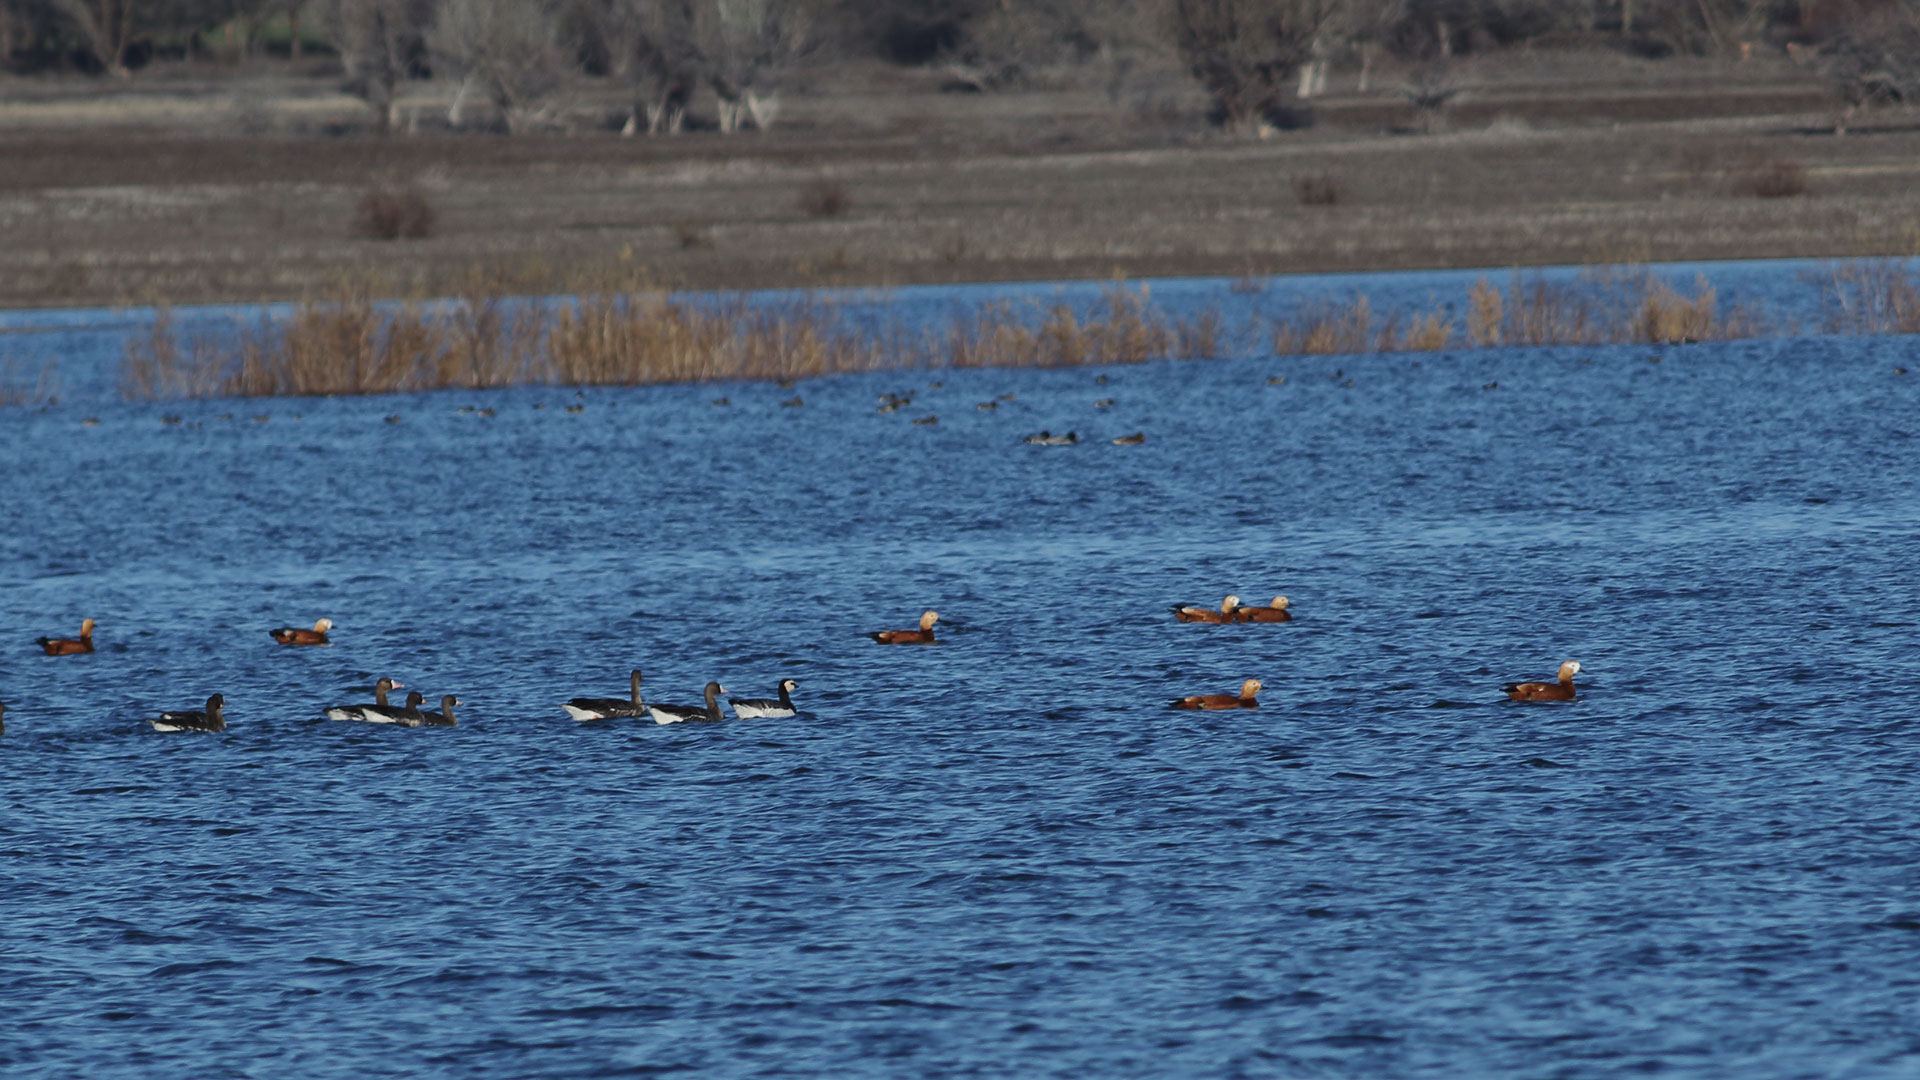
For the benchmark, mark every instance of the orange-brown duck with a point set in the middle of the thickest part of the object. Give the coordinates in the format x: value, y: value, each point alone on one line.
x: 1559, y: 690
x: 1195, y: 613
x: 1277, y: 612
x: 290, y: 635
x: 1244, y: 700
x: 922, y: 636
x: 69, y: 646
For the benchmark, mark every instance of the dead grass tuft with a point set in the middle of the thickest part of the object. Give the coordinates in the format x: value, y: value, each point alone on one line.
x: 1319, y: 189
x: 1772, y: 178
x: 1869, y: 296
x: 825, y: 199
x: 394, y: 212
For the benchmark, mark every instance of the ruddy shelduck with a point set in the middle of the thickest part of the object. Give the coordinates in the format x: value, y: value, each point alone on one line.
x: 1244, y: 700
x: 1277, y: 612
x: 1195, y: 613
x: 1559, y: 690
x: 69, y: 646
x: 291, y: 635
x: 922, y: 636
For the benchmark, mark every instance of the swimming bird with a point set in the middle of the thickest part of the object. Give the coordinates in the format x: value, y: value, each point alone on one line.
x: 288, y: 635
x: 1194, y: 613
x: 1244, y: 700
x: 922, y: 636
x: 674, y: 714
x: 927, y: 420
x: 69, y: 646
x: 585, y: 708
x: 1277, y: 612
x: 1048, y: 438
x: 1559, y: 690
x: 360, y: 712
x: 750, y: 708
x: 194, y: 720
x: 1134, y: 439
x: 3, y: 718
x: 1104, y: 403
x: 443, y: 718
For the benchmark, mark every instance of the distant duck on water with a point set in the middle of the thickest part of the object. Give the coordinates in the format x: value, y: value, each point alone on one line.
x: 676, y: 714
x: 1196, y: 613
x: 1277, y: 612
x: 1561, y: 689
x: 756, y: 708
x: 922, y: 636
x: 290, y: 635
x: 1243, y: 700
x: 380, y: 712
x: 1048, y: 438
x: 585, y: 708
x: 69, y: 646
x: 194, y: 720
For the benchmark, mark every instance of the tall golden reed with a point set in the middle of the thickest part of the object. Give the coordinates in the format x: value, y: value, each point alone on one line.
x: 628, y: 334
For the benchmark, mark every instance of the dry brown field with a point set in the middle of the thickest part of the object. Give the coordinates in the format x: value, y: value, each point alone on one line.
x: 207, y: 185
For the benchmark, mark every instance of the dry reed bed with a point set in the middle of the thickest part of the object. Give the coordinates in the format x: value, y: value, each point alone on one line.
x: 355, y: 345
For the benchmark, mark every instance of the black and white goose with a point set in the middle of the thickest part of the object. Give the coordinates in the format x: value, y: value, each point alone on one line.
x: 443, y: 718
x: 752, y: 708
x: 194, y: 720
x: 380, y: 712
x: 675, y: 714
x: 606, y: 708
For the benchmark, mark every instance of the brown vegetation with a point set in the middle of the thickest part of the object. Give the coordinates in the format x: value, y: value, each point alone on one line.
x: 393, y: 212
x: 637, y: 336
x: 825, y: 199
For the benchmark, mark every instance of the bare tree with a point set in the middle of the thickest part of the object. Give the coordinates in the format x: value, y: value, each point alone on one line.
x: 651, y: 48
x: 377, y: 41
x: 746, y: 46
x: 509, y: 49
x: 1873, y: 59
x: 1244, y: 51
x: 107, y: 27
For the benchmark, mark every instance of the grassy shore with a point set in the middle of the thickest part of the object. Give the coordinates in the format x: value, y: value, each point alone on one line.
x: 183, y: 189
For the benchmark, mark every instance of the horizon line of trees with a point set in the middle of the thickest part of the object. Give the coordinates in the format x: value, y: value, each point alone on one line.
x: 1252, y: 57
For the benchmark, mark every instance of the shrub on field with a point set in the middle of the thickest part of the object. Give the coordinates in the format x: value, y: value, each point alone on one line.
x: 1319, y: 189
x: 825, y: 199
x: 393, y: 212
x: 1773, y: 178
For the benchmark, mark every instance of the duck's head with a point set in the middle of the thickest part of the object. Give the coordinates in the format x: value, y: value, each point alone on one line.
x: 86, y: 627
x: 1569, y: 669
x: 1229, y: 603
x: 323, y: 625
x: 789, y: 685
x: 1249, y: 688
x: 415, y: 699
x: 1280, y: 602
x: 927, y: 620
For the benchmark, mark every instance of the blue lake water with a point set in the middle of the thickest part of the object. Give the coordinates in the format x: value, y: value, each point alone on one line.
x: 1002, y: 855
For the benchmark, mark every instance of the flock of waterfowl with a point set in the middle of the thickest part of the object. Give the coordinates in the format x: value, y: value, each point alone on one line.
x: 382, y: 711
